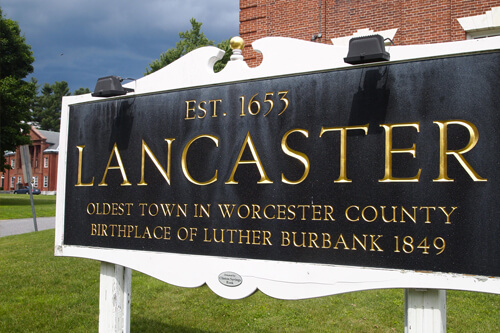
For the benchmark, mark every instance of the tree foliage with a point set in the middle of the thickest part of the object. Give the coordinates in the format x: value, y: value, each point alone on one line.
x: 16, y: 95
x: 226, y: 47
x: 189, y: 41
x: 81, y: 91
x: 47, y: 106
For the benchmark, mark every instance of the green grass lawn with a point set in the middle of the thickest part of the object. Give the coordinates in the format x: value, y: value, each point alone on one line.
x: 43, y: 293
x: 18, y: 206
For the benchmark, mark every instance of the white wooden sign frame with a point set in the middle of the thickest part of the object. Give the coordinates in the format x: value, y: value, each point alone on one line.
x: 284, y: 280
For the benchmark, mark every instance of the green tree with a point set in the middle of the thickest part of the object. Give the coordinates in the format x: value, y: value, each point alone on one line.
x: 189, y: 41
x: 47, y: 106
x: 16, y: 95
x: 226, y: 47
x: 81, y: 91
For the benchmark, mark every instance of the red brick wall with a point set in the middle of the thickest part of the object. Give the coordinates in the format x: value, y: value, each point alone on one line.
x: 38, y: 169
x: 418, y: 21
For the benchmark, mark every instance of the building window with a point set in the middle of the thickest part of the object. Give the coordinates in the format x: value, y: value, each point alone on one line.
x: 13, y: 163
x: 19, y: 179
x: 12, y: 182
x: 45, y: 162
x: 481, y: 26
x: 45, y: 181
x: 35, y: 183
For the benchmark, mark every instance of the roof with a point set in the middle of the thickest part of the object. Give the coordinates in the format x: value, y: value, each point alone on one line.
x: 52, y: 140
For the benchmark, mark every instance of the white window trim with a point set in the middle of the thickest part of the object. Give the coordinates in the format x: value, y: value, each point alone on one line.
x: 12, y: 182
x: 45, y: 162
x: 35, y: 183
x: 13, y: 163
x: 480, y: 26
x: 45, y: 181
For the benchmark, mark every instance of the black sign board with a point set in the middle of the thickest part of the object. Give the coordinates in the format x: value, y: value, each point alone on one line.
x: 386, y: 166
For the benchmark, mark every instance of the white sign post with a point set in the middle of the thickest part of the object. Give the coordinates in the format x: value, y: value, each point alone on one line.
x: 114, y: 298
x: 425, y: 311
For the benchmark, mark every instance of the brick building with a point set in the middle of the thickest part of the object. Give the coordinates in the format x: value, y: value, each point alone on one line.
x: 405, y: 22
x: 44, y: 151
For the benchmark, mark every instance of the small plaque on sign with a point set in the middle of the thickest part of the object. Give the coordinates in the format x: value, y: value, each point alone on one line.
x: 230, y: 279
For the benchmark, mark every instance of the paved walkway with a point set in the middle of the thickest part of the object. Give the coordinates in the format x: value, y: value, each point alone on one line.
x: 22, y: 226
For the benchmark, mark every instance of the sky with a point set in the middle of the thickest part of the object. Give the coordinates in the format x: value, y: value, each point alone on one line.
x: 78, y: 41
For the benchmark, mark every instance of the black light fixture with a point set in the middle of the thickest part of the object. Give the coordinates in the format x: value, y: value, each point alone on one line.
x: 110, y: 86
x: 366, y: 49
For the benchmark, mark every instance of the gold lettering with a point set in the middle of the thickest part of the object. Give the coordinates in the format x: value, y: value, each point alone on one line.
x: 389, y: 151
x: 255, y: 212
x: 104, y: 229
x: 343, y: 148
x: 206, y: 239
x: 214, y: 106
x: 205, y: 211
x: 297, y: 155
x: 155, y: 210
x: 120, y: 167
x: 221, y: 240
x: 145, y: 149
x: 328, y: 213
x: 281, y: 212
x: 374, y: 243
x: 313, y: 237
x: 375, y: 214
x: 142, y: 205
x: 120, y: 230
x: 202, y: 109
x: 303, y: 239
x: 316, y: 213
x: 355, y: 240
x: 154, y: 232
x: 182, y: 233
x: 248, y: 211
x: 92, y: 209
x: 326, y: 241
x: 444, y: 152
x: 181, y: 211
x: 266, y: 236
x: 242, y: 236
x: 427, y: 208
x: 341, y: 240
x: 303, y: 210
x: 227, y: 213
x: 256, y: 160
x: 190, y: 108
x: 285, y: 238
x: 393, y: 214
x: 146, y: 233
x: 167, y: 209
x: 80, y: 157
x: 447, y: 214
x: 256, y: 237
x: 405, y: 212
x: 347, y: 213
x: 184, y: 160
x: 291, y: 211
x: 265, y: 212
x: 166, y: 233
